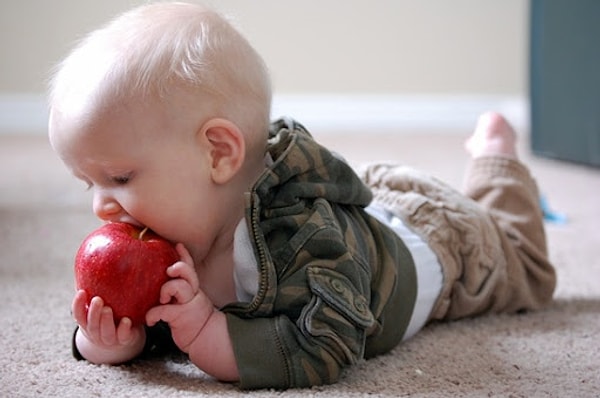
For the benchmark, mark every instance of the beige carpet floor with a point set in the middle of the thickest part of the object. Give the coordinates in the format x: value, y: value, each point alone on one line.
x: 44, y: 214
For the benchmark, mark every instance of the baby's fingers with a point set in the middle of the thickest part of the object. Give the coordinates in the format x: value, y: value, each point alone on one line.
x: 184, y: 254
x: 177, y: 290
x: 184, y: 269
x: 126, y: 333
x: 98, y: 325
x: 108, y: 332
x: 79, y: 308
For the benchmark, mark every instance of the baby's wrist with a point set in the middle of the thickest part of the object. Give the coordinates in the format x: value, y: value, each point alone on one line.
x: 83, y: 348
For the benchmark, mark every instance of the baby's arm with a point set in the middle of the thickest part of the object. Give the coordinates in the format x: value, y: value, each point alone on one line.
x: 98, y: 339
x: 196, y: 326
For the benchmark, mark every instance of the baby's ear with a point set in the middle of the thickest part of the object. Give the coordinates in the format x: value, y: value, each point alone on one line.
x: 226, y: 148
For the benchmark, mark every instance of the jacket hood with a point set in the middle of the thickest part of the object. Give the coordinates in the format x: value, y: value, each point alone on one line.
x: 303, y: 169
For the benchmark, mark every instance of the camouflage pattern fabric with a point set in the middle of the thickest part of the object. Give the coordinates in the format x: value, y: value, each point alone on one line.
x: 335, y: 286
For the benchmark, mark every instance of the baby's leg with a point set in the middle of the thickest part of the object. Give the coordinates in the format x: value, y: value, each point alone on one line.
x: 504, y: 188
x: 496, y: 178
x: 492, y: 248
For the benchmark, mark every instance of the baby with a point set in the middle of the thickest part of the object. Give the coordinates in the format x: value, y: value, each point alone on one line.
x: 293, y: 266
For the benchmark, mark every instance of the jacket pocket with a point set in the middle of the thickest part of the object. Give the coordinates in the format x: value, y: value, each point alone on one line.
x: 338, y: 315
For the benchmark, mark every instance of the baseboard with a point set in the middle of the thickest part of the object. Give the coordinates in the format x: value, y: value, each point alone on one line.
x: 28, y: 114
x: 399, y: 113
x: 23, y: 114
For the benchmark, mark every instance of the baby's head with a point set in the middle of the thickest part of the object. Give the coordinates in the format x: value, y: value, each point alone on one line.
x: 160, y: 52
x: 162, y: 109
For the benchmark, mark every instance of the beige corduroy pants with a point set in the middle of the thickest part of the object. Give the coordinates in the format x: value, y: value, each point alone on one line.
x: 489, y: 239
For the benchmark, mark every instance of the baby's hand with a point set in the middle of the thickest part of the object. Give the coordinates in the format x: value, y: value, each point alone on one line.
x: 98, y: 339
x: 183, y: 305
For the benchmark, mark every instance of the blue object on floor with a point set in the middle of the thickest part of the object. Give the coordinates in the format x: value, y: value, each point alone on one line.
x: 551, y: 215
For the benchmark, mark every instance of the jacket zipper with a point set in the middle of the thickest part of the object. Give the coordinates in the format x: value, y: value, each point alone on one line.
x: 262, y: 257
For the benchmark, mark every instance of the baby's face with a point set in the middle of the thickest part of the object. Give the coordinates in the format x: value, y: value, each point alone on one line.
x: 143, y: 167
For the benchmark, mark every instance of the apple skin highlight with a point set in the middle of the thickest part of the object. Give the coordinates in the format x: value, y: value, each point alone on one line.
x: 126, y: 267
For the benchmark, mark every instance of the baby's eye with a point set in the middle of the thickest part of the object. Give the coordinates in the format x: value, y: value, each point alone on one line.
x: 121, y: 179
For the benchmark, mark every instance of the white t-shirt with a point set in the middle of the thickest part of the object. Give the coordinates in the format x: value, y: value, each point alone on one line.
x: 429, y: 270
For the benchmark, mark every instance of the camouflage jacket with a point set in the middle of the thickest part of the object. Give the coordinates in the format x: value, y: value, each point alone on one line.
x: 335, y: 286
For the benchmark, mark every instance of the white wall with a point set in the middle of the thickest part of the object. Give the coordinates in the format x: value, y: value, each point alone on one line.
x: 395, y: 56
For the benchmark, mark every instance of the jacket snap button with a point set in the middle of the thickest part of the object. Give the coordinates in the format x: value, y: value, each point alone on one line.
x: 360, y: 305
x: 338, y: 286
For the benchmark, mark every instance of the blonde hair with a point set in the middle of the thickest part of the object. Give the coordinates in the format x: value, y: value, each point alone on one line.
x: 156, y: 48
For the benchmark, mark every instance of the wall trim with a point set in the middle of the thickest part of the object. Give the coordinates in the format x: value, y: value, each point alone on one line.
x: 399, y: 113
x: 23, y: 114
x: 27, y: 113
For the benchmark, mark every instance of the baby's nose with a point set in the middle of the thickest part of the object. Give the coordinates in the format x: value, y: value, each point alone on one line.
x: 107, y: 208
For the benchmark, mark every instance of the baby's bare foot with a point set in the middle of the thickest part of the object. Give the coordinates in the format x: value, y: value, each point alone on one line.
x: 493, y: 136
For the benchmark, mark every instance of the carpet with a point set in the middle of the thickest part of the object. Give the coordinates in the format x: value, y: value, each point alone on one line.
x: 44, y: 215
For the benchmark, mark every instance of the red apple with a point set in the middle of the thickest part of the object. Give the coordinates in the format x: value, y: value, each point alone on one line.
x: 126, y: 267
